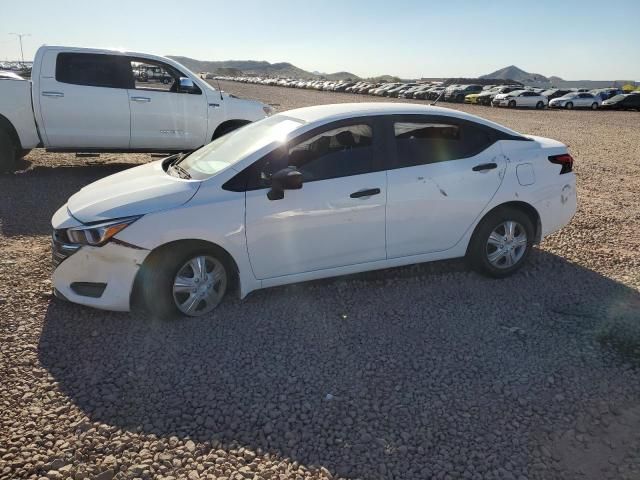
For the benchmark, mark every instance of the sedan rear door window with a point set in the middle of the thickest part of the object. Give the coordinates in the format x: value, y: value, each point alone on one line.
x: 431, y: 142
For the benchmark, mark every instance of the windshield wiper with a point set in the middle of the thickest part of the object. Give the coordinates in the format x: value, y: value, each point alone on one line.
x: 174, y: 165
x: 182, y: 173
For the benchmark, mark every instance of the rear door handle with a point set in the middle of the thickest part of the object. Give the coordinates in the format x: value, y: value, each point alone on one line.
x: 365, y: 193
x: 140, y: 99
x: 485, y: 166
x: 52, y: 94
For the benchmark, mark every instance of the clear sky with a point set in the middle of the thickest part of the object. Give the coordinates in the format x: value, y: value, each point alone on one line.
x: 576, y: 40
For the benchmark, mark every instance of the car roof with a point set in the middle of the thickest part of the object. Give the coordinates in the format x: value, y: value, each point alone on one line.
x: 341, y: 111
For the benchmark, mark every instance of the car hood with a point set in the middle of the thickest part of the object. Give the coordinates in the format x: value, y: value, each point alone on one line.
x: 135, y: 191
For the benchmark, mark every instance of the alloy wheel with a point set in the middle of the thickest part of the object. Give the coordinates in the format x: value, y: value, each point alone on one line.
x: 199, y: 285
x: 506, y: 244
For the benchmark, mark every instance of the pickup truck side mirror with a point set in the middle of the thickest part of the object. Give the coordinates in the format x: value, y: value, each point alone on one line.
x: 288, y: 178
x: 186, y: 85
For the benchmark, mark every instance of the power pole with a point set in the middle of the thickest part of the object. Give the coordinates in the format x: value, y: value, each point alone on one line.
x: 20, y: 35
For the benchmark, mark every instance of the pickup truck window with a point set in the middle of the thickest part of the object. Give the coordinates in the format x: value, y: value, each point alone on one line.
x: 154, y: 75
x: 93, y: 70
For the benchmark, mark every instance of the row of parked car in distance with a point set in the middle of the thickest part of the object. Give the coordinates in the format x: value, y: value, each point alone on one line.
x: 513, y: 96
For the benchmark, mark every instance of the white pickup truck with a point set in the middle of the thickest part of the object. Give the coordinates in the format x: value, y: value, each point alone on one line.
x: 89, y: 100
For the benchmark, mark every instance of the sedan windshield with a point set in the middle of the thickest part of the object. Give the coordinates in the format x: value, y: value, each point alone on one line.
x: 233, y: 147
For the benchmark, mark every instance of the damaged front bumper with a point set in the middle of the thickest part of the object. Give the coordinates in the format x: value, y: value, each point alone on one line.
x: 99, y: 277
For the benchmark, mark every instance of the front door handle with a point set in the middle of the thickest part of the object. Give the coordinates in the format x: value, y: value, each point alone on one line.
x: 365, y: 193
x: 140, y: 99
x: 485, y: 166
x: 52, y: 94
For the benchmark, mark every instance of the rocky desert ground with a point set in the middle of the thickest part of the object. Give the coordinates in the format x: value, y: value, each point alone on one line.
x: 413, y: 373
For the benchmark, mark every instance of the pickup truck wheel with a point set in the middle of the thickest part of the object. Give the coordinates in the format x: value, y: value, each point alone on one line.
x: 227, y: 127
x: 8, y: 152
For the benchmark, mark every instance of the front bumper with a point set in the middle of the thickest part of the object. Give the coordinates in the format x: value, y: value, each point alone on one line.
x: 113, y: 265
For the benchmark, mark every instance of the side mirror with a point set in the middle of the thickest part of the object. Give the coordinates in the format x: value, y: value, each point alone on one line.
x: 288, y: 178
x: 186, y: 85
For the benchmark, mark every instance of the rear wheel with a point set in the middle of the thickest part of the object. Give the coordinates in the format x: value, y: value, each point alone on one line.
x: 569, y: 105
x: 8, y: 152
x: 501, y: 243
x: 186, y: 281
x: 594, y: 106
x: 540, y: 105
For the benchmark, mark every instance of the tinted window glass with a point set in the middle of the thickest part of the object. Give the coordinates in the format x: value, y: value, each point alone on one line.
x: 424, y: 143
x: 94, y: 70
x: 340, y: 152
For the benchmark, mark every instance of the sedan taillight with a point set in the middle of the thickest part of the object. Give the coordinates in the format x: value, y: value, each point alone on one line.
x: 565, y: 160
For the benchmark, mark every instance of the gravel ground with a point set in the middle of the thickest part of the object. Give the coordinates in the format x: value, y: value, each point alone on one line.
x: 420, y: 372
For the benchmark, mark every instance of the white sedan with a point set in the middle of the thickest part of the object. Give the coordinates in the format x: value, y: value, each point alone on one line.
x: 520, y: 98
x: 577, y: 100
x: 311, y: 193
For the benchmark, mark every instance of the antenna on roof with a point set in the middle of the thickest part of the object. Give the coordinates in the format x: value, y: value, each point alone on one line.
x: 445, y: 84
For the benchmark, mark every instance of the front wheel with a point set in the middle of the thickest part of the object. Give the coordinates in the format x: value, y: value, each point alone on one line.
x: 184, y: 282
x: 540, y: 105
x: 569, y: 105
x: 594, y: 106
x: 512, y: 104
x: 501, y: 243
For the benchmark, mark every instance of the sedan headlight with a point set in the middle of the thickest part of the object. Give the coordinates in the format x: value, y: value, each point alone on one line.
x: 98, y: 234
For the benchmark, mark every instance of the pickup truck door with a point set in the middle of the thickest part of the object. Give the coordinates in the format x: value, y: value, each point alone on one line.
x: 163, y: 117
x: 83, y: 101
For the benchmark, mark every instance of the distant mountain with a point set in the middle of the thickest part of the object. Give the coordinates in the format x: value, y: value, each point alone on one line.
x: 536, y: 80
x: 260, y: 68
x: 514, y: 73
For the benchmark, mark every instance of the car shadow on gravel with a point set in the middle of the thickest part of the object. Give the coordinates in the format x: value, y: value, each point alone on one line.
x: 403, y: 373
x: 31, y: 197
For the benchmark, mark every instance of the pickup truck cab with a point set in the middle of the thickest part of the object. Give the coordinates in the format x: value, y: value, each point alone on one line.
x: 92, y: 100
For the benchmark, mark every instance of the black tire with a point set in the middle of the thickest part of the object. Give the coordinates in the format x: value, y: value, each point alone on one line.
x: 8, y: 152
x: 478, y: 250
x: 540, y: 105
x: 160, y: 271
x: 568, y: 105
x: 594, y: 106
x: 512, y: 104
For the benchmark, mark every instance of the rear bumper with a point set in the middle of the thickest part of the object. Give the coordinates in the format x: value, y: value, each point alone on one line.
x: 557, y: 209
x: 114, y: 266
